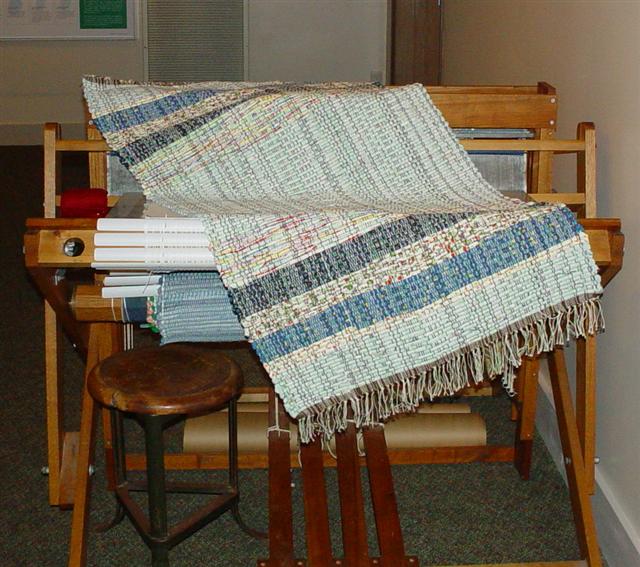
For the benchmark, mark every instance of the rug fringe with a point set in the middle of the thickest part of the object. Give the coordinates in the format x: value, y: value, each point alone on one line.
x: 499, y: 355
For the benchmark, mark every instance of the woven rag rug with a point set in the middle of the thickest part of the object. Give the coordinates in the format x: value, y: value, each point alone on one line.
x: 370, y: 264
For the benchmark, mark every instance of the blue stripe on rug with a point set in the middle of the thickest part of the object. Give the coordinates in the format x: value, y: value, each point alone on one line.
x: 343, y: 259
x: 494, y: 254
x: 149, y: 111
x: 143, y: 148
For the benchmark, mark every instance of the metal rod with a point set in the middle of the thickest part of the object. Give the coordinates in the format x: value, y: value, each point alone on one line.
x: 117, y: 427
x: 153, y: 433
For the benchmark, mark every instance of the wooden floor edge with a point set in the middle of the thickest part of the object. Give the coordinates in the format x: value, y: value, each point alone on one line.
x: 412, y: 560
x: 580, y: 563
x: 409, y: 561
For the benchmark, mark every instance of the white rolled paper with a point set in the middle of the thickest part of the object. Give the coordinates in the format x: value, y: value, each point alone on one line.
x: 151, y: 225
x: 151, y: 240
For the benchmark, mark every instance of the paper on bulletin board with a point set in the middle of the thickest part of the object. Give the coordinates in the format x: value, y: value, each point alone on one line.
x: 67, y: 19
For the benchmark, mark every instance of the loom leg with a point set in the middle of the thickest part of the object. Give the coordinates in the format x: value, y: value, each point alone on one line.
x: 354, y: 529
x: 104, y: 340
x: 53, y: 386
x: 527, y: 402
x: 280, y: 500
x: 574, y: 462
x: 586, y: 404
x: 107, y: 440
x: 315, y: 505
x: 383, y: 496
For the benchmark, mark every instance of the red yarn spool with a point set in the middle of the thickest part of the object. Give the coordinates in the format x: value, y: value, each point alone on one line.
x: 84, y: 203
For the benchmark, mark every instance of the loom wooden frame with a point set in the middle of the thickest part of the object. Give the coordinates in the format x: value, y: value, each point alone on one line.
x: 90, y: 325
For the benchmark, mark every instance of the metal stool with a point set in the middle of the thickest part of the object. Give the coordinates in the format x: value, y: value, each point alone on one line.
x: 159, y: 387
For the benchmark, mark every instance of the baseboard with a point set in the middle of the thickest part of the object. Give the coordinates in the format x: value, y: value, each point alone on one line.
x: 618, y: 541
x: 31, y: 134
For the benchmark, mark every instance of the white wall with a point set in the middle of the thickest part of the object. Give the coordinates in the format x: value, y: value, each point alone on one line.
x: 40, y: 81
x: 291, y: 40
x: 312, y: 40
x: 590, y: 51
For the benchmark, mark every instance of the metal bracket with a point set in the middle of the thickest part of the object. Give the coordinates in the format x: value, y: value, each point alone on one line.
x: 59, y: 276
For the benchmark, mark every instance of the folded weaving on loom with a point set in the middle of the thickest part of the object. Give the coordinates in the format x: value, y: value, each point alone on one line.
x: 370, y: 264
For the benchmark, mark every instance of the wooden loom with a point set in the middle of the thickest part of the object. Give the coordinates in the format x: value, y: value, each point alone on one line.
x: 91, y: 323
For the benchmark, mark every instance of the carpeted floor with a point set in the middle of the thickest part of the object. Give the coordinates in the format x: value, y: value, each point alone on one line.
x: 469, y: 513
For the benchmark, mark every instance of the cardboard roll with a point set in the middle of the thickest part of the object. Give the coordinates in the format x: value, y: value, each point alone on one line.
x: 429, y: 427
x: 258, y: 401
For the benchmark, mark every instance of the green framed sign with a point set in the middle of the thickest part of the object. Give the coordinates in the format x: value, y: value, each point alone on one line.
x: 103, y: 14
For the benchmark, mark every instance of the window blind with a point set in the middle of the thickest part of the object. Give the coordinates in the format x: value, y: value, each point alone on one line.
x: 195, y: 40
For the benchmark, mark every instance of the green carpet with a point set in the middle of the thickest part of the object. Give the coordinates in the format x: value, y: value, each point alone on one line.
x: 468, y: 513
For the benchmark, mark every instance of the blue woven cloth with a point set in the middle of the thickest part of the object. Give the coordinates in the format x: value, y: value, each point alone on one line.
x: 194, y: 306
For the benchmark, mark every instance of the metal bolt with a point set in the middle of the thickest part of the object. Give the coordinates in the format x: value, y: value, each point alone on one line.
x: 553, y: 100
x: 552, y: 122
x: 44, y: 471
x: 596, y: 460
x: 92, y: 470
x: 73, y: 247
x: 567, y: 461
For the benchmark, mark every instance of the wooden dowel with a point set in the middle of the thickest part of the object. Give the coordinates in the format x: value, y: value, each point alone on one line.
x: 586, y: 167
x: 97, y: 161
x: 566, y: 198
x: 81, y: 146
x: 52, y: 173
x: 564, y: 146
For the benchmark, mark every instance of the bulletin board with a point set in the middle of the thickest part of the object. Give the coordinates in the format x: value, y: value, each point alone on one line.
x: 67, y: 19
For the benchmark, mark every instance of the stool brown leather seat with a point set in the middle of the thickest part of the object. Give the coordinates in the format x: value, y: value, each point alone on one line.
x: 159, y: 386
x: 179, y: 378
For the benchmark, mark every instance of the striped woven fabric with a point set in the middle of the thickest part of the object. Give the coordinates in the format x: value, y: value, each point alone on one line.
x: 194, y: 307
x: 370, y: 264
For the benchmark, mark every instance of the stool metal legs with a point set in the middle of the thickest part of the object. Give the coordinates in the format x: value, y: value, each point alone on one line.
x: 120, y: 469
x: 153, y: 434
x: 233, y: 471
x: 154, y: 530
